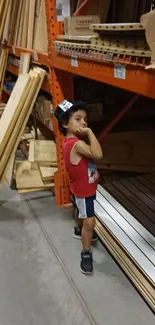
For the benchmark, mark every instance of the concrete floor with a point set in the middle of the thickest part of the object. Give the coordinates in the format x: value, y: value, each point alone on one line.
x: 40, y: 280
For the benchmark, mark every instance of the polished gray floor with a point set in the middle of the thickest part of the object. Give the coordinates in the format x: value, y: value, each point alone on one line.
x: 40, y: 280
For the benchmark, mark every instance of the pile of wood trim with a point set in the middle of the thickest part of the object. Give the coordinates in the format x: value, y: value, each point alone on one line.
x: 15, y: 117
x: 131, y: 244
x: 26, y: 24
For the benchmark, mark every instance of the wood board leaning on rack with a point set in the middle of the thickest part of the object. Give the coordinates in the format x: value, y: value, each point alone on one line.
x: 15, y: 117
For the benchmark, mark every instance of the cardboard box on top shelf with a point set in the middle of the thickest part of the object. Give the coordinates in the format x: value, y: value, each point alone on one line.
x: 95, y: 112
x: 44, y: 108
x: 79, y: 25
x: 148, y: 22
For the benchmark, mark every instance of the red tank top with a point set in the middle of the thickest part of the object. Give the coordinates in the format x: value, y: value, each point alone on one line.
x: 83, y: 177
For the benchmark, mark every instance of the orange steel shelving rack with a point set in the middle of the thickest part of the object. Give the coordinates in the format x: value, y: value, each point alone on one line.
x: 89, y: 64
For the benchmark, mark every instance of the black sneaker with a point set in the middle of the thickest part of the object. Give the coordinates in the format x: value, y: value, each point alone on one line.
x: 77, y: 234
x: 86, y: 265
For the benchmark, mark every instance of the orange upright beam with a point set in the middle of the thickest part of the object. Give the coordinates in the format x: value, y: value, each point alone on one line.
x: 61, y: 87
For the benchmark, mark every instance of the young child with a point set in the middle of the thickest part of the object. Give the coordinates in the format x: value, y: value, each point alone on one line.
x: 83, y: 175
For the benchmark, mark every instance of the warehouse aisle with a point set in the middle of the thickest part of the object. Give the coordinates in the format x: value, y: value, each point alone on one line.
x: 40, y: 281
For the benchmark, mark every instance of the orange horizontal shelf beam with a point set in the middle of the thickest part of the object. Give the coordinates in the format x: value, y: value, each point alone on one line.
x: 137, y: 79
x: 46, y: 83
x: 38, y: 57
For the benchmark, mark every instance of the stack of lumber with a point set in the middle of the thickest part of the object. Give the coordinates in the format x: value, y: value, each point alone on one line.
x: 128, y: 151
x: 15, y: 117
x: 3, y: 13
x: 130, y: 242
x: 37, y: 173
x: 3, y: 64
x: 26, y: 24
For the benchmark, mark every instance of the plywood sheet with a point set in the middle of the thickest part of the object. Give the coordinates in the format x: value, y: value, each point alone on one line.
x: 42, y: 151
x: 28, y: 176
x: 47, y: 173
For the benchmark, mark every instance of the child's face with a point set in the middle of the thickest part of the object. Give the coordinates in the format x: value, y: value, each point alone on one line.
x: 77, y: 120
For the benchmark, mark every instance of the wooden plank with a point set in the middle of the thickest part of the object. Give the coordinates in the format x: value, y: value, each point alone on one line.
x: 7, y: 22
x: 3, y: 17
x: 47, y: 173
x: 26, y: 21
x: 21, y: 127
x: 37, y: 10
x: 133, y: 251
x: 31, y: 24
x: 127, y: 227
x: 19, y: 13
x: 123, y: 167
x: 148, y: 202
x: 14, y: 9
x: 24, y: 63
x: 3, y: 69
x: 37, y: 189
x: 28, y: 176
x: 20, y: 30
x: 142, y: 188
x: 42, y: 151
x: 14, y: 105
x: 40, y: 36
x: 137, y: 202
x: 147, y: 183
x: 142, y: 231
x: 140, y: 216
x: 150, y: 177
x: 10, y: 143
x: 127, y: 265
x: 31, y: 151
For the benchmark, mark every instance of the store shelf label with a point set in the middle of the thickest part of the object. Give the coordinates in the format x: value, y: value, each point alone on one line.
x: 74, y: 61
x: 120, y: 71
x: 35, y: 56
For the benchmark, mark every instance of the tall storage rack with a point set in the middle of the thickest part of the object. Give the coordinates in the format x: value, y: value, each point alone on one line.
x: 97, y: 67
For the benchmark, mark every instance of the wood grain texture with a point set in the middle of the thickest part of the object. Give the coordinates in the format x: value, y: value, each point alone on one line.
x: 8, y: 172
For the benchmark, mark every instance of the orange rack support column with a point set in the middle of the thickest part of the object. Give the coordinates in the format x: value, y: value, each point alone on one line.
x: 61, y: 87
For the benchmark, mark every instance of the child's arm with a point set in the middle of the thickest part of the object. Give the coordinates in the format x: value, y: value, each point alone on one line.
x: 93, y: 150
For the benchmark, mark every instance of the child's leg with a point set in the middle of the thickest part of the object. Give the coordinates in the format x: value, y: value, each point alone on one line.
x: 78, y: 221
x: 87, y: 232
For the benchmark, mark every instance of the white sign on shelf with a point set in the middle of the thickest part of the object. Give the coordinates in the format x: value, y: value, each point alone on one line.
x: 120, y: 71
x: 35, y: 56
x: 74, y: 61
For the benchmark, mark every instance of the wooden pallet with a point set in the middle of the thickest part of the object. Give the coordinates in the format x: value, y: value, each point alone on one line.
x: 126, y: 224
